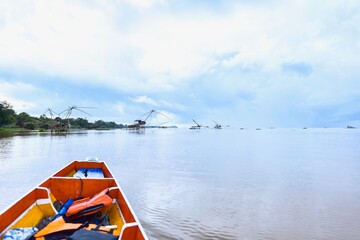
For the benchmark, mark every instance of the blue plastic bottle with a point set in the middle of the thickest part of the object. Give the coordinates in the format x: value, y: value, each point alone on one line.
x: 64, y: 208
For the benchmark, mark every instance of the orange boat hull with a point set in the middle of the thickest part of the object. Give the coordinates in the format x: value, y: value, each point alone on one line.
x: 38, y: 203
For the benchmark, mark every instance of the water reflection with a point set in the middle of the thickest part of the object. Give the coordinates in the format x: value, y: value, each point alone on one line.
x: 182, y: 184
x: 5, y: 150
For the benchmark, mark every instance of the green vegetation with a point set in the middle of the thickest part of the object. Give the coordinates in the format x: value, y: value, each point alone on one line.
x: 9, y: 120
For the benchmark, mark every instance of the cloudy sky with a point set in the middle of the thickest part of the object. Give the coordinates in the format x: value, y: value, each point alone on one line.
x: 247, y: 63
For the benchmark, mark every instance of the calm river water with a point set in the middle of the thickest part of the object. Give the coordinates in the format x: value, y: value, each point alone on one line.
x: 211, y: 184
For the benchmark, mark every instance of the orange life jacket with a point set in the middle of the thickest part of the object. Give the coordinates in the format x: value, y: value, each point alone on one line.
x: 59, y: 229
x: 57, y: 226
x: 89, y: 206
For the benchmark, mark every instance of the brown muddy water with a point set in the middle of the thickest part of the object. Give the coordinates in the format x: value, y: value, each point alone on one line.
x: 211, y: 184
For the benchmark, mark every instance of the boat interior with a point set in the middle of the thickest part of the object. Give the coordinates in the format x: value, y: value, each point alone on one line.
x: 39, y: 203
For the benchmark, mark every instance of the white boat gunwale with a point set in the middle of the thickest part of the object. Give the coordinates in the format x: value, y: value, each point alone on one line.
x: 122, y: 204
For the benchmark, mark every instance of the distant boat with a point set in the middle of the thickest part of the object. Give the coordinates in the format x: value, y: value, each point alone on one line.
x: 82, y: 199
x: 351, y: 127
x: 149, y: 116
x: 217, y: 126
x: 137, y: 124
x: 198, y: 126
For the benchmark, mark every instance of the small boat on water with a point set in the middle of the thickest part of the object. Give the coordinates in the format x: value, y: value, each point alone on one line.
x: 217, y: 125
x: 198, y: 126
x: 81, y: 201
x: 149, y: 117
x: 137, y: 124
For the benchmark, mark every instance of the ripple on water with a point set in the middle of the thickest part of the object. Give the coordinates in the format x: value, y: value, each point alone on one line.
x: 273, y: 184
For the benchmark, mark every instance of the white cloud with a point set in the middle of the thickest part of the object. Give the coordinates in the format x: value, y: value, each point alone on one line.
x: 19, y: 105
x: 59, y: 38
x: 171, y: 105
x: 145, y: 3
x: 12, y: 93
x: 146, y: 47
x: 144, y: 99
x: 88, y: 44
x: 184, y: 46
x: 120, y: 108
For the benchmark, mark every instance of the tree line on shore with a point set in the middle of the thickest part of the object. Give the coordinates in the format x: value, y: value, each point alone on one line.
x: 10, y: 119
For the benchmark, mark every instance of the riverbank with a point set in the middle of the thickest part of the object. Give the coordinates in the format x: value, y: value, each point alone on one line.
x: 11, y: 130
x: 23, y: 131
